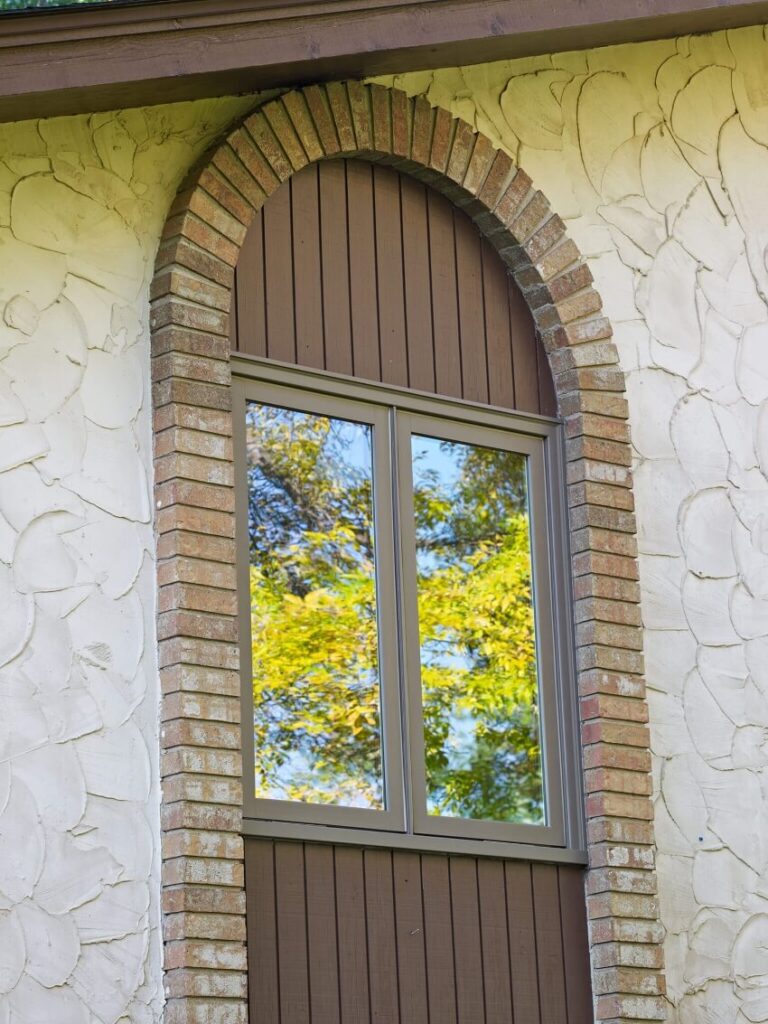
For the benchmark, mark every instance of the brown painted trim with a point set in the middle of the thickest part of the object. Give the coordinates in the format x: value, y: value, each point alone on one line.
x: 203, y: 888
x: 64, y: 62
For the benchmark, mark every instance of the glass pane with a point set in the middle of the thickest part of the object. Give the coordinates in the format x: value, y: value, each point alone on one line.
x: 476, y: 628
x: 317, y: 713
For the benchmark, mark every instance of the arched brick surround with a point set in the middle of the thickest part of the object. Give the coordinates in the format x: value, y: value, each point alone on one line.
x: 203, y: 893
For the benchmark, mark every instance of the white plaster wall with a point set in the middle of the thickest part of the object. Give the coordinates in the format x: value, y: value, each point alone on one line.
x: 82, y: 203
x: 656, y: 155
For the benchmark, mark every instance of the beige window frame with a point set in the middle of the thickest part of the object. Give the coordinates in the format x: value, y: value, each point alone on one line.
x: 395, y: 414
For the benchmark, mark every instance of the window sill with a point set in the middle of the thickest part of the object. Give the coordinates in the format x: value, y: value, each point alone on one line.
x: 407, y: 841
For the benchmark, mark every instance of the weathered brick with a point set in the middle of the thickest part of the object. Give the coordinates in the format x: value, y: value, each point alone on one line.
x: 497, y: 179
x: 182, y: 569
x: 621, y: 954
x: 608, y: 706
x: 609, y: 634
x: 628, y: 980
x: 204, y: 899
x: 192, y: 392
x: 556, y: 259
x: 186, y: 981
x: 189, y: 226
x: 423, y: 120
x: 602, y: 518
x: 198, y: 598
x: 203, y: 706
x: 212, y: 421
x: 226, y: 927
x: 617, y: 780
x: 402, y: 119
x: 597, y: 682
x: 212, y: 817
x: 186, y: 787
x: 188, y: 285
x: 189, y: 842
x: 619, y: 805
x: 170, y: 310
x: 228, y: 956
x: 190, y: 492
x: 320, y: 109
x: 342, y: 116
x: 205, y: 1011
x: 618, y: 612
x: 615, y: 659
x: 196, y: 624
x: 261, y: 132
x: 185, y: 253
x: 610, y: 755
x: 196, y: 520
x: 234, y: 170
x: 296, y: 104
x: 359, y: 104
x: 513, y: 198
x: 180, y: 542
x: 442, y: 136
x: 254, y: 161
x: 621, y: 733
x: 196, y: 733
x: 184, y: 650
x: 285, y: 133
x: 461, y: 151
x: 597, y: 494
x: 201, y: 761
x: 620, y: 904
x: 217, y: 186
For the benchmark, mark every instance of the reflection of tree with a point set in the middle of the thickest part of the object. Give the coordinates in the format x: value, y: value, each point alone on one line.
x: 315, y: 657
x: 478, y: 670
x: 317, y: 728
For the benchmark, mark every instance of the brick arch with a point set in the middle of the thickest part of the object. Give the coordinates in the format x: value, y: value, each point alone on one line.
x: 203, y: 890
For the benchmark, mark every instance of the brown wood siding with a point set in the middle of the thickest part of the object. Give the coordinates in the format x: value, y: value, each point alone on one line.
x: 355, y: 268
x: 341, y: 935
x: 359, y: 270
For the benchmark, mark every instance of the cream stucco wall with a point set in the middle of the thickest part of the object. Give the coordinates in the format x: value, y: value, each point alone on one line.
x: 656, y: 155
x: 82, y: 204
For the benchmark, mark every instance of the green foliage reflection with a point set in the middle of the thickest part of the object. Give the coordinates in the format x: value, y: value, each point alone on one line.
x: 317, y: 719
x: 478, y: 659
x: 317, y: 723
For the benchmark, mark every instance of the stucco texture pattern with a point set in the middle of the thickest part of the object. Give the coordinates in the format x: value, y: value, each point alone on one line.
x: 82, y: 204
x: 656, y: 156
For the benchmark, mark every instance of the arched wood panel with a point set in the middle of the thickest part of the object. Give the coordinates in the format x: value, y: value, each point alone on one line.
x: 355, y: 268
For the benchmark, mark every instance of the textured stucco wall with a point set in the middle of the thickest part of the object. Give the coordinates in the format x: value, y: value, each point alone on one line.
x: 82, y: 204
x: 656, y: 155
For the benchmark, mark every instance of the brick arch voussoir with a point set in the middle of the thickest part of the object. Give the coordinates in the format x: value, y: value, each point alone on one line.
x: 202, y: 848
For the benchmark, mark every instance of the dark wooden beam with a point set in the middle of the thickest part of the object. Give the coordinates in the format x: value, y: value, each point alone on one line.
x: 70, y: 61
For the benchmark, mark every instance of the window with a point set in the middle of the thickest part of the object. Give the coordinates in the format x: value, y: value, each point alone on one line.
x: 404, y: 668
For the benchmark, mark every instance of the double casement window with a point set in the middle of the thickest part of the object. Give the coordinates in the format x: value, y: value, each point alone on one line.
x: 406, y: 667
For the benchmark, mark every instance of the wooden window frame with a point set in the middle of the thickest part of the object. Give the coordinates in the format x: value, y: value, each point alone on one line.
x: 395, y: 413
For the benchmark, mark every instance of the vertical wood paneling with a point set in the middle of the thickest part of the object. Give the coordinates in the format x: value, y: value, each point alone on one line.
x: 248, y: 300
x: 418, y: 287
x: 522, y: 940
x: 524, y: 359
x: 575, y: 947
x: 409, y: 933
x: 468, y: 954
x: 389, y: 276
x: 307, y: 280
x: 445, y: 303
x: 360, y: 270
x: 495, y: 943
x: 338, y: 935
x: 441, y: 973
x: 382, y: 952
x: 322, y: 941
x: 290, y: 901
x: 352, y: 937
x: 334, y: 246
x: 261, y: 919
x: 278, y: 276
x: 469, y: 284
x: 549, y: 942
